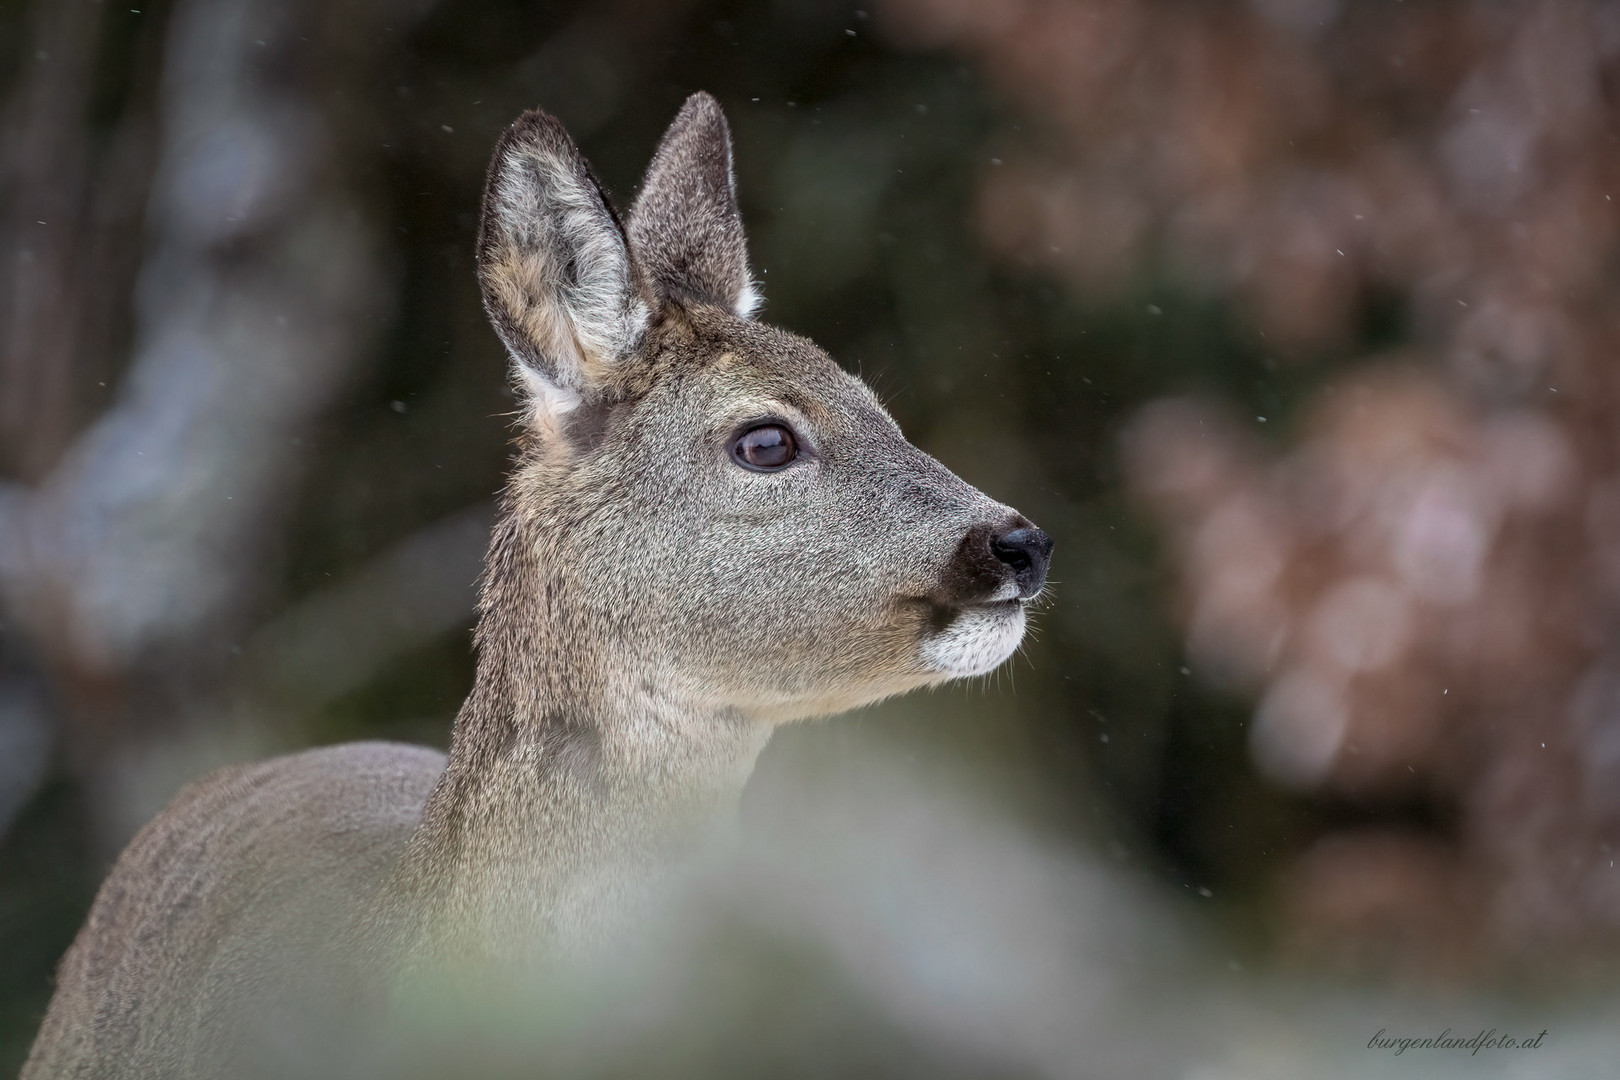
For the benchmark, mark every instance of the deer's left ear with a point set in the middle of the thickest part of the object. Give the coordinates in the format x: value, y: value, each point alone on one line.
x: 684, y: 227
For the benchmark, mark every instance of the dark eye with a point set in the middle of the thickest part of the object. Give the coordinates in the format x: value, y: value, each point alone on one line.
x: 765, y: 448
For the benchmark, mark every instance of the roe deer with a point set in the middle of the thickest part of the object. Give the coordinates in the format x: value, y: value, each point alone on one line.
x: 710, y: 529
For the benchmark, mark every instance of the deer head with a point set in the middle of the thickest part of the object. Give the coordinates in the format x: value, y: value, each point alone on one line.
x: 708, y: 510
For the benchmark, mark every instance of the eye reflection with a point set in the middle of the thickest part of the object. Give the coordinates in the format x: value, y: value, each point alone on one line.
x: 765, y: 448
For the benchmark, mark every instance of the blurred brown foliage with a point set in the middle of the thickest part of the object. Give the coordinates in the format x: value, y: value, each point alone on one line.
x: 1418, y: 579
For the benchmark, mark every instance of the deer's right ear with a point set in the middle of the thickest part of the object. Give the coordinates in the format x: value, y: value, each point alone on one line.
x: 554, y: 265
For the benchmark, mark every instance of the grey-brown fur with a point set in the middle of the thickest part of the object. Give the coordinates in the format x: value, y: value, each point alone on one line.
x: 649, y: 612
x: 685, y: 222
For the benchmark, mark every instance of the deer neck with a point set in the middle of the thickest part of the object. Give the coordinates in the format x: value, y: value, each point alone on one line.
x: 569, y: 798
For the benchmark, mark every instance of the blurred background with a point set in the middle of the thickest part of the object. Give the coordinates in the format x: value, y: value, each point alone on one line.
x: 1294, y: 321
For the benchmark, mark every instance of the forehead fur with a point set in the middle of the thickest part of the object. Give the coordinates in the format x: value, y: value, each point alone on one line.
x: 745, y: 359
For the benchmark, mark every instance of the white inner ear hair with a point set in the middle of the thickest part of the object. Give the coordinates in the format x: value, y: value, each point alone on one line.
x: 546, y: 402
x: 748, y: 301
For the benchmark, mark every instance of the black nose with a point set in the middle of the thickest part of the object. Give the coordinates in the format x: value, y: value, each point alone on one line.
x: 1027, y: 552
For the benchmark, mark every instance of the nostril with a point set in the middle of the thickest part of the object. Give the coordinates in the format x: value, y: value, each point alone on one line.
x: 1011, y: 554
x: 1026, y: 552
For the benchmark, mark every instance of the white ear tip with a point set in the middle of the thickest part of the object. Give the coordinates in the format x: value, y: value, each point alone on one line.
x: 748, y: 301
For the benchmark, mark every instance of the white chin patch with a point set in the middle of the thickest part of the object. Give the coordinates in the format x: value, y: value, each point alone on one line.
x: 977, y: 641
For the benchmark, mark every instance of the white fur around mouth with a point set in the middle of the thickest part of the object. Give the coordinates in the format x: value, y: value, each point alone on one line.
x: 977, y: 640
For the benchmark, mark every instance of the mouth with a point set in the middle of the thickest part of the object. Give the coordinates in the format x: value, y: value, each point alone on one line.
x: 942, y: 616
x: 963, y: 640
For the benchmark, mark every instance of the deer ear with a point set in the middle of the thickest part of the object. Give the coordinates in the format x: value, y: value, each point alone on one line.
x: 555, y: 268
x: 684, y: 226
